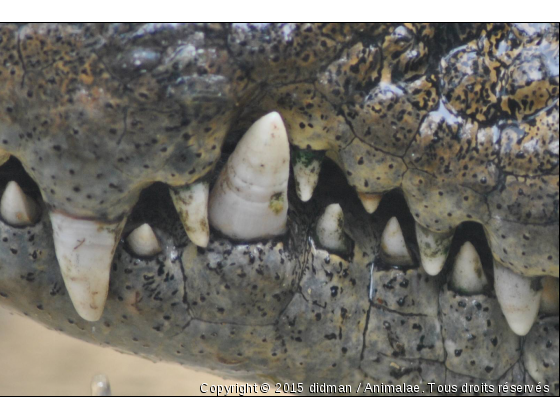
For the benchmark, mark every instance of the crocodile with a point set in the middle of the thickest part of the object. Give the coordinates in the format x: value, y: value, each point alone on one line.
x: 408, y: 233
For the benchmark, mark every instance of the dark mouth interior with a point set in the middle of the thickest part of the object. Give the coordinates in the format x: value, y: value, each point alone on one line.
x: 13, y: 170
x: 474, y: 233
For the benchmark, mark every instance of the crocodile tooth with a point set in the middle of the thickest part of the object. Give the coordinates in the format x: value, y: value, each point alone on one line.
x: 550, y: 296
x: 307, y: 166
x: 250, y: 198
x: 370, y: 201
x: 393, y: 244
x: 143, y: 241
x: 519, y: 298
x: 4, y: 156
x: 468, y: 275
x: 16, y: 207
x: 330, y: 229
x: 100, y: 386
x: 84, y: 249
x: 191, y: 202
x: 434, y: 248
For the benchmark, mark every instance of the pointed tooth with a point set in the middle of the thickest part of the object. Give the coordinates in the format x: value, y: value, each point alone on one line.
x: 250, y: 198
x: 549, y: 298
x: 393, y: 244
x: 519, y: 298
x: 16, y: 207
x: 143, y: 241
x: 100, y: 386
x: 191, y: 202
x: 84, y: 250
x: 307, y: 166
x: 468, y: 275
x: 434, y: 248
x: 330, y: 229
x: 370, y: 201
x: 4, y: 156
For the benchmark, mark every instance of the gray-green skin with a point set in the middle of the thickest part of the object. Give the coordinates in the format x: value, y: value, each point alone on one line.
x: 460, y: 120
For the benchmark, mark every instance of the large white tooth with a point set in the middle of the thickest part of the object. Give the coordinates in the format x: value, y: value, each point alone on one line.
x: 370, y: 201
x: 393, y: 244
x: 434, y: 248
x: 84, y: 249
x: 468, y: 275
x: 550, y: 296
x: 250, y: 198
x: 4, y: 156
x: 307, y: 166
x: 519, y: 298
x: 330, y: 229
x: 191, y: 202
x: 16, y: 207
x: 143, y: 241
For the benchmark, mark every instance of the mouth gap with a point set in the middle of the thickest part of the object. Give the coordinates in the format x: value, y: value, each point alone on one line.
x: 472, y: 232
x: 333, y: 187
x: 156, y: 208
x: 394, y: 204
x: 13, y: 170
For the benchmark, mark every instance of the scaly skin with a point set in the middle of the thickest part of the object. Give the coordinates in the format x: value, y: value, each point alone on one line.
x: 460, y: 119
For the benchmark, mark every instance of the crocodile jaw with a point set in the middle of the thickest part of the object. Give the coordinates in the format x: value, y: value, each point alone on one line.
x: 170, y: 127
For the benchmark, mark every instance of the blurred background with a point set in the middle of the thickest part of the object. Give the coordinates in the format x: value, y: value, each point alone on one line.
x: 36, y: 361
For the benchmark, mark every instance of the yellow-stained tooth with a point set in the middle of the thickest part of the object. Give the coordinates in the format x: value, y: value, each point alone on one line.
x: 434, y: 248
x: 370, y: 201
x: 191, y: 202
x: 393, y: 244
x: 330, y: 229
x: 468, y: 276
x: 307, y: 166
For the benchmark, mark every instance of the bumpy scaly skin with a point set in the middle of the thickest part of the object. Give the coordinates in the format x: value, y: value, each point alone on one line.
x: 463, y: 119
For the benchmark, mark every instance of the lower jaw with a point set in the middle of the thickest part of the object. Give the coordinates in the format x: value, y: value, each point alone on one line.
x: 287, y: 309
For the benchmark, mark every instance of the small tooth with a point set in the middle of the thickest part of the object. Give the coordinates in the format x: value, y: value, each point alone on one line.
x: 143, y: 241
x: 100, y: 386
x: 468, y: 275
x: 307, y: 166
x: 519, y: 298
x: 370, y: 201
x: 191, y: 202
x: 434, y: 248
x: 394, y: 245
x: 550, y: 296
x: 330, y: 229
x: 84, y: 250
x: 16, y: 207
x: 250, y: 198
x: 4, y: 156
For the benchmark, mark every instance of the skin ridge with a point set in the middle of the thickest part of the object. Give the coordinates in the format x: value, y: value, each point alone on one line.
x: 461, y: 121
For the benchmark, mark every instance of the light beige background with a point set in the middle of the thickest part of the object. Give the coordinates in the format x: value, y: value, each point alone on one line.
x: 36, y: 361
